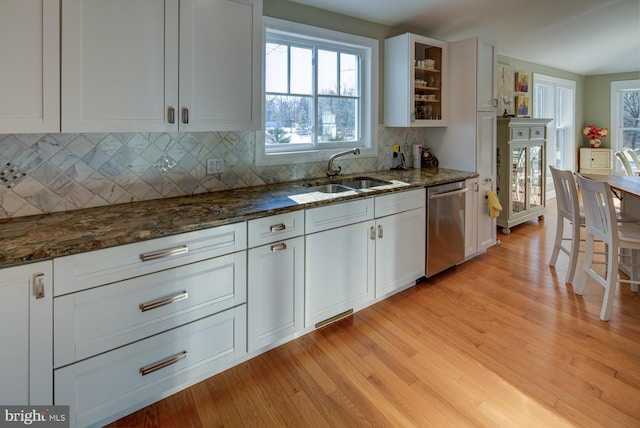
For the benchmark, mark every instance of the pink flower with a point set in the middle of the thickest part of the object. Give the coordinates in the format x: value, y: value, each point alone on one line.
x: 592, y: 132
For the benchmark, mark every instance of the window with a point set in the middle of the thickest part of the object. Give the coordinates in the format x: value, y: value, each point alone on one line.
x: 320, y: 94
x: 625, y: 117
x: 555, y: 98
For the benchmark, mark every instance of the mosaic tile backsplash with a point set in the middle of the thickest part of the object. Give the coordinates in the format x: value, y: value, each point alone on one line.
x: 42, y: 173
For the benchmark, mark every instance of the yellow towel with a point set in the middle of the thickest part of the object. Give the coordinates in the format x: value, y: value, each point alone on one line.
x: 494, y: 204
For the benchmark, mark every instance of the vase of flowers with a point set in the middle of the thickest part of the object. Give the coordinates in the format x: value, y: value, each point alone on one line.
x: 594, y: 134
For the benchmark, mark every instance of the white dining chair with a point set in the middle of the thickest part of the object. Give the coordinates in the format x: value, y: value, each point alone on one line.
x: 568, y: 210
x: 634, y: 159
x: 626, y: 165
x: 601, y: 225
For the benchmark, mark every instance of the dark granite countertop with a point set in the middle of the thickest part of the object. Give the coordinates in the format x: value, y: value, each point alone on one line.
x: 41, y: 237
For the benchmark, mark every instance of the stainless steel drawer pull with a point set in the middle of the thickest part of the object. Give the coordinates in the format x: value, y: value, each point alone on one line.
x: 168, y: 252
x: 279, y: 247
x: 185, y: 115
x: 372, y: 233
x: 278, y: 227
x: 164, y: 301
x: 162, y: 364
x: 171, y: 115
x: 380, y: 232
x: 38, y: 285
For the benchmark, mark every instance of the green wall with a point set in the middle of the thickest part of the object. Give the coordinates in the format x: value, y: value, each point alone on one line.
x: 597, y: 99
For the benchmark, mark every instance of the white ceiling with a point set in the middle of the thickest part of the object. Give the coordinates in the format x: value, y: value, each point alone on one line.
x: 581, y: 36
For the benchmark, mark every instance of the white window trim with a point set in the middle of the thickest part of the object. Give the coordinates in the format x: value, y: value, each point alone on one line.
x: 369, y: 96
x: 571, y: 144
x: 616, y: 118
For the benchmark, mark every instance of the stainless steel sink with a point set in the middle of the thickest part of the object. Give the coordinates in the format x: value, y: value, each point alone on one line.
x: 364, y: 183
x: 331, y: 188
x: 352, y: 184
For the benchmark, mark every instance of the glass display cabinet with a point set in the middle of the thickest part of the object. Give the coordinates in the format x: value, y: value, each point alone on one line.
x: 521, y: 171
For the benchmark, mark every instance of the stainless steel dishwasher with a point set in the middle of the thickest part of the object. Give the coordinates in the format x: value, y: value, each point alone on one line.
x: 445, y: 226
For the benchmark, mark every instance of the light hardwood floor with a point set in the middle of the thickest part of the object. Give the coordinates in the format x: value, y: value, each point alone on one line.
x: 499, y: 341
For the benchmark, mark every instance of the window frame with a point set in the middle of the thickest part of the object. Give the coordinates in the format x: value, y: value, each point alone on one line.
x: 564, y: 117
x: 618, y: 87
x: 367, y: 48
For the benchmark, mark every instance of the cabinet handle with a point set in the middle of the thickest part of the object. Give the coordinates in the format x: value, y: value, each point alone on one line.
x: 494, y: 101
x: 278, y: 227
x: 163, y: 363
x: 164, y: 301
x: 372, y: 233
x: 380, y: 232
x: 171, y: 115
x: 279, y: 247
x: 169, y: 252
x: 185, y: 115
x: 38, y: 285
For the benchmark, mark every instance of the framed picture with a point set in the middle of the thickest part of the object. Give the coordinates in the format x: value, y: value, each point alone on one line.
x: 522, y: 82
x: 505, y: 88
x: 522, y: 104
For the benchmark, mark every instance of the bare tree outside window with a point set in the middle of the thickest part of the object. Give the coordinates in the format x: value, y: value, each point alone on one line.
x: 631, y: 119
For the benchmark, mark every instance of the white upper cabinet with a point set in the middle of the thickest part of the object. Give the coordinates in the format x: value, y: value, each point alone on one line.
x: 149, y: 65
x: 118, y: 74
x: 221, y: 65
x: 30, y: 70
x: 415, y: 81
x: 486, y: 91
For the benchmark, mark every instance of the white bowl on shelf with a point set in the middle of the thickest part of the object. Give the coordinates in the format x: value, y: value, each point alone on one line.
x: 429, y: 63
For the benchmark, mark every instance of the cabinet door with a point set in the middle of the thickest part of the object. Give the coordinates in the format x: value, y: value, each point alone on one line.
x: 400, y: 250
x: 536, y: 176
x: 519, y: 187
x: 30, y: 71
x: 276, y: 292
x: 26, y: 335
x: 220, y: 65
x: 486, y: 86
x: 119, y: 65
x: 339, y: 271
x: 486, y: 144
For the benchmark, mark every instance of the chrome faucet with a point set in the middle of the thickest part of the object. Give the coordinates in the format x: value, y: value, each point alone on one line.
x: 333, y: 172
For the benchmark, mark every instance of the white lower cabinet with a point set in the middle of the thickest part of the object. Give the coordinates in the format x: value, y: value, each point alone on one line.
x: 400, y: 240
x: 26, y: 372
x: 135, y: 323
x: 108, y: 386
x: 275, y: 279
x: 103, y: 318
x: 479, y: 228
x: 340, y: 259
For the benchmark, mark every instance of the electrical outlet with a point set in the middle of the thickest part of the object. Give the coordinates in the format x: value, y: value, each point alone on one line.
x: 214, y: 166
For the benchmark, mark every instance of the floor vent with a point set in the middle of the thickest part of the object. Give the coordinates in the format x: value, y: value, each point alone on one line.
x: 334, y: 318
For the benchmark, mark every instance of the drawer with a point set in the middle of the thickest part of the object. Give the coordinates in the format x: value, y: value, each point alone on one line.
x: 94, y: 268
x: 100, y: 319
x: 110, y: 385
x: 275, y: 228
x: 337, y: 215
x: 397, y: 202
x: 537, y: 133
x: 520, y: 133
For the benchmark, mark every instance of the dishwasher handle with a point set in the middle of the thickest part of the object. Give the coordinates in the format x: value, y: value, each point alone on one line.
x: 447, y: 194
